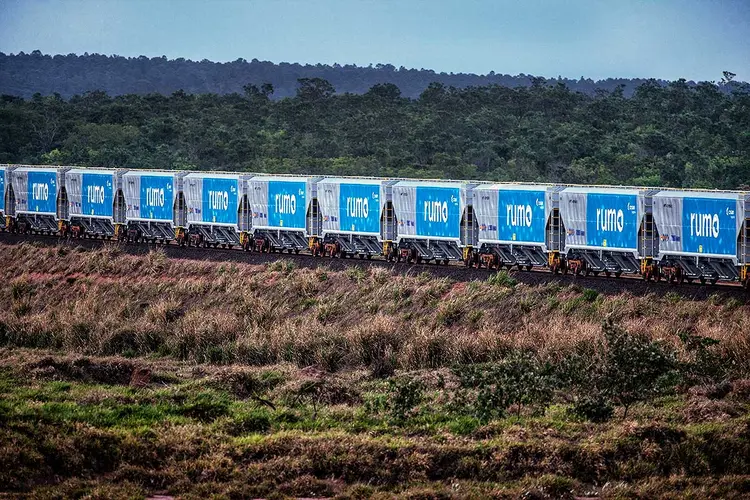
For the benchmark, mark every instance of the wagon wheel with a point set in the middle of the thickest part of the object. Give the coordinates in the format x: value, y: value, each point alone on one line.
x: 618, y: 274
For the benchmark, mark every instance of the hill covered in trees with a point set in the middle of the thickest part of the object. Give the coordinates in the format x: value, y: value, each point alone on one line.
x: 671, y: 135
x: 25, y: 74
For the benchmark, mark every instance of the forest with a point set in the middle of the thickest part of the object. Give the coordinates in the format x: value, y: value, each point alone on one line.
x: 675, y: 134
x: 25, y: 74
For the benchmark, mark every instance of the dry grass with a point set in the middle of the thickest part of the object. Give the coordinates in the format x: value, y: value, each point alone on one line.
x: 103, y: 302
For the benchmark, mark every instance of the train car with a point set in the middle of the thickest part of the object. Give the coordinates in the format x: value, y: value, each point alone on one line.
x: 155, y: 205
x: 91, y: 202
x: 357, y: 216
x: 31, y: 198
x: 285, y: 214
x: 513, y: 222
x: 432, y: 220
x: 702, y: 235
x: 212, y: 205
x: 602, y: 227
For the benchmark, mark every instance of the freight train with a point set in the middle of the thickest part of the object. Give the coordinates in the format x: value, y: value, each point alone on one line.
x: 655, y: 233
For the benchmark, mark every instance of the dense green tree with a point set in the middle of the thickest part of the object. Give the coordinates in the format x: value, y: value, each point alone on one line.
x: 677, y: 135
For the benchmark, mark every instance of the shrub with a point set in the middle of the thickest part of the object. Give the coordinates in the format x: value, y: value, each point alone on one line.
x: 595, y: 408
x: 635, y: 368
x: 404, y: 395
x: 704, y: 364
x: 519, y: 380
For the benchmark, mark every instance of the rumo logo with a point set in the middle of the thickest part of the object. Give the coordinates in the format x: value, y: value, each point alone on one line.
x: 219, y: 200
x: 155, y: 197
x: 40, y: 191
x: 706, y: 225
x: 357, y: 207
x: 95, y: 194
x: 286, y: 204
x: 610, y: 220
x: 518, y: 215
x: 434, y: 211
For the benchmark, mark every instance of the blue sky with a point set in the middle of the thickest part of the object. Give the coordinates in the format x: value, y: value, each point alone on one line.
x: 693, y: 39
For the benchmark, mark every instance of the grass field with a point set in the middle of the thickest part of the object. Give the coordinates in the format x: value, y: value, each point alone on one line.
x: 130, y: 376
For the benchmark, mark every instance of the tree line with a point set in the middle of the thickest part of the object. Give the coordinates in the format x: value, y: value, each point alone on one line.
x: 677, y: 135
x: 26, y: 74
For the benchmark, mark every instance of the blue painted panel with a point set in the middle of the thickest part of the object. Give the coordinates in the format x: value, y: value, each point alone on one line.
x: 438, y: 212
x: 96, y: 196
x: 521, y: 216
x: 709, y: 226
x: 219, y: 200
x: 612, y: 220
x: 42, y: 192
x: 2, y: 190
x: 359, y: 208
x: 287, y: 204
x: 157, y: 192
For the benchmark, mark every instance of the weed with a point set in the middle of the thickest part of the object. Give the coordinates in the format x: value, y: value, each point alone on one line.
x: 284, y: 266
x: 450, y: 313
x: 356, y: 274
x: 404, y: 395
x: 590, y: 295
x: 502, y: 279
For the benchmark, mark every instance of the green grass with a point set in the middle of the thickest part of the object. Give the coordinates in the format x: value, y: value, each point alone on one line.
x: 218, y: 430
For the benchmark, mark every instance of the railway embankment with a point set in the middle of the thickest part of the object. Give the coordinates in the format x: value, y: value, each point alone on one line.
x: 126, y: 375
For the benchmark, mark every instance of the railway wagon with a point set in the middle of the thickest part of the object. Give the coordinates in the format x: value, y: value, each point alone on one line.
x: 514, y: 224
x: 601, y: 227
x: 702, y: 235
x: 285, y: 212
x: 357, y: 217
x: 155, y: 205
x: 31, y: 198
x: 91, y: 202
x: 432, y: 220
x: 212, y: 203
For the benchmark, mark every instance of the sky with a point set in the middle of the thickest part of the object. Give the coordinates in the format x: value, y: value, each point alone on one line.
x: 669, y: 39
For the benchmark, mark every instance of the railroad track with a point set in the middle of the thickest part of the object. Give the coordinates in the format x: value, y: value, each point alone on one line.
x: 457, y: 272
